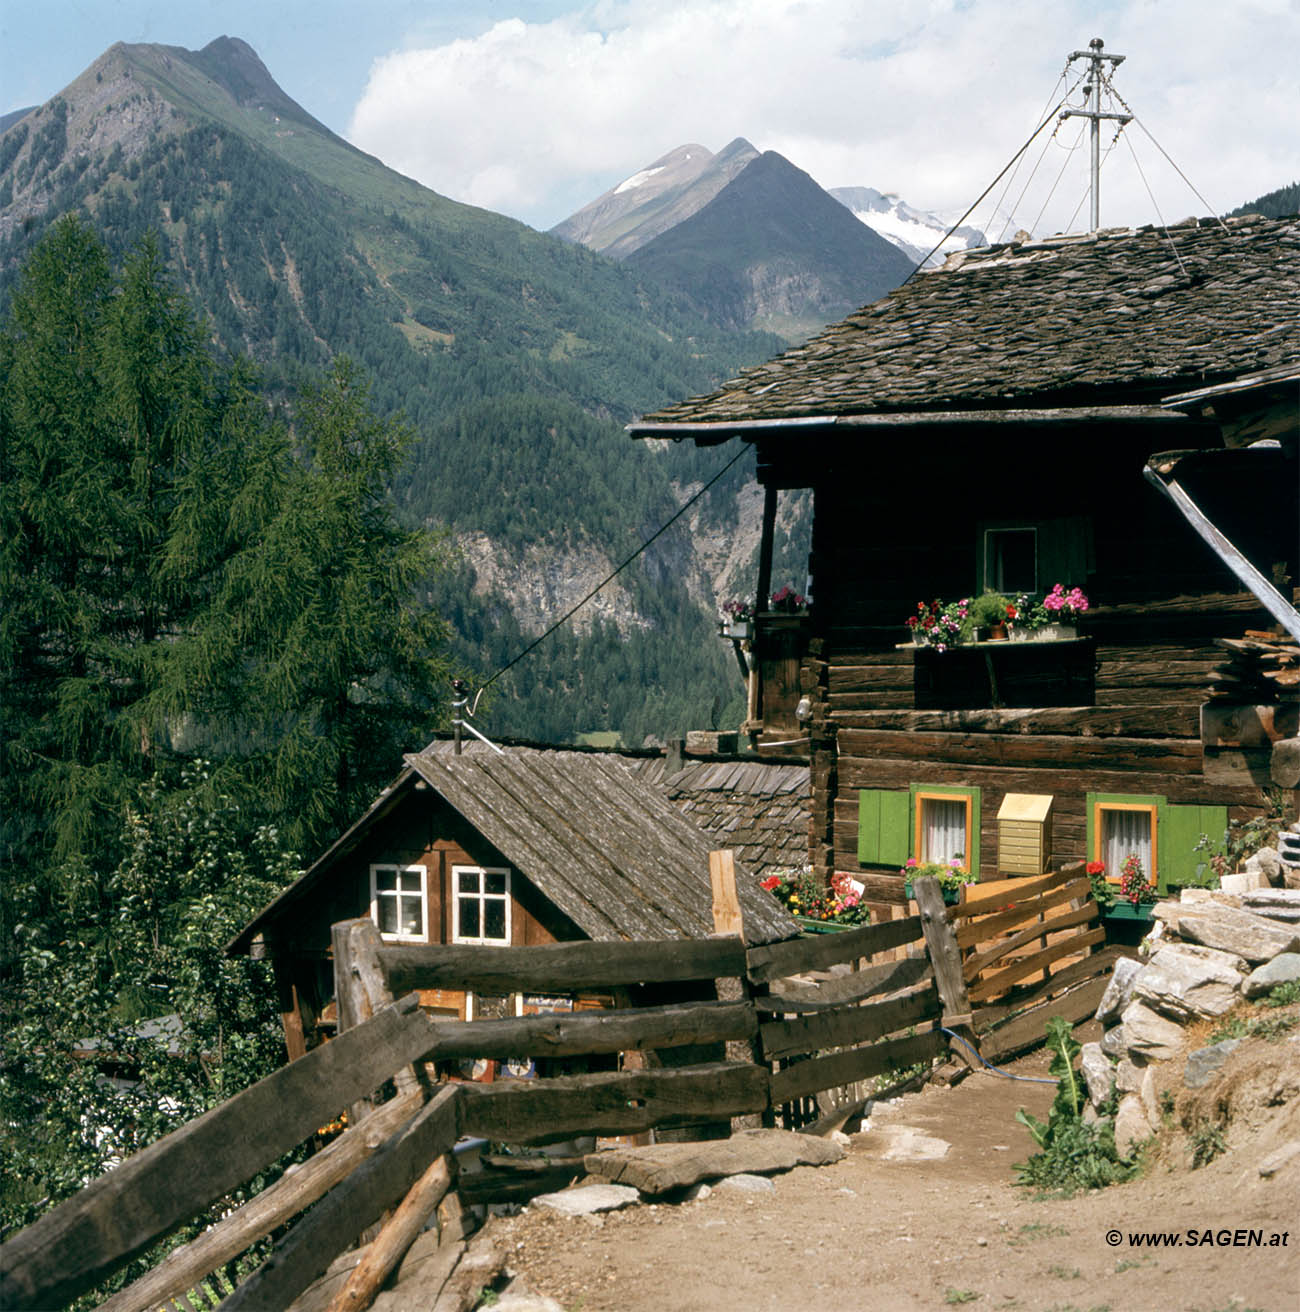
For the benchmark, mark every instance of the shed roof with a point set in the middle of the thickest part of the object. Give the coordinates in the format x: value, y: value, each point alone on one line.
x: 1115, y: 317
x: 605, y: 846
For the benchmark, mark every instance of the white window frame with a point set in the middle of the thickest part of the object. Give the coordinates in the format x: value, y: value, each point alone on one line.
x: 482, y: 872
x: 397, y: 894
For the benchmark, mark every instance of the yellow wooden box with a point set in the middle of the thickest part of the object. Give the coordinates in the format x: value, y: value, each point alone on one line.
x: 1024, y: 833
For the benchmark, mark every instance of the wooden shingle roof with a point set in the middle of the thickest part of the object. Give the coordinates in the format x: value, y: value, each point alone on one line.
x: 1119, y: 317
x: 611, y: 853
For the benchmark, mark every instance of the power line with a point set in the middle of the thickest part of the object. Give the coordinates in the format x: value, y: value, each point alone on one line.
x: 609, y: 578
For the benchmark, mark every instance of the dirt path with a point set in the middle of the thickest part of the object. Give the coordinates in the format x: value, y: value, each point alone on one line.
x: 874, y: 1233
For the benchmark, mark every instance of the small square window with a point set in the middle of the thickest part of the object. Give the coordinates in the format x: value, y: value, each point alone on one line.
x: 397, y: 901
x: 943, y: 827
x: 481, y: 913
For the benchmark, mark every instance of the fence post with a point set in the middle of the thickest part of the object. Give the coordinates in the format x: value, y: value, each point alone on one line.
x: 945, y: 959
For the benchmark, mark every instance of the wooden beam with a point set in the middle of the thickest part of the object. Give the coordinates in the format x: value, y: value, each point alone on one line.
x: 888, y: 977
x: 307, y: 1250
x: 941, y: 944
x: 727, y: 916
x: 297, y: 1189
x: 995, y: 984
x: 848, y: 1026
x: 796, y: 955
x: 625, y: 1102
x: 1027, y: 1030
x: 992, y: 1014
x: 563, y: 1034
x: 1038, y: 930
x: 982, y: 929
x: 76, y: 1245
x: 399, y: 1232
x: 803, y: 1078
x: 560, y: 967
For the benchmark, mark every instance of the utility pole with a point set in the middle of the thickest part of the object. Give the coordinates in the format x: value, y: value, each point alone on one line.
x: 1093, y: 111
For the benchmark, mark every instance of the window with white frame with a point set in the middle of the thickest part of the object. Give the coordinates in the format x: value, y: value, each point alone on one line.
x: 481, y: 905
x: 398, y: 901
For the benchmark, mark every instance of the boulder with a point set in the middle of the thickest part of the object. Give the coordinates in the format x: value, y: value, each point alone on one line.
x: 1148, y: 1036
x: 1268, y: 863
x: 1257, y: 938
x: 745, y: 1183
x: 1131, y: 1124
x: 1184, y: 985
x: 1098, y: 1073
x: 1128, y: 1076
x: 1264, y: 979
x: 1147, y: 1092
x: 1275, y: 903
x: 1202, y: 1063
x: 1112, y: 1042
x: 1119, y: 990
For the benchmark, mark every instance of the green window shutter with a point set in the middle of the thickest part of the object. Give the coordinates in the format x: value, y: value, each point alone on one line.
x: 1180, y: 829
x: 884, y: 816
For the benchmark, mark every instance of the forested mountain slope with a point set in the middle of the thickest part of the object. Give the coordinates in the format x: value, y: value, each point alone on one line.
x: 516, y: 356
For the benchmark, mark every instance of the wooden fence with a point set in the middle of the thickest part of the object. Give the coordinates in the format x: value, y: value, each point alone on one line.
x: 811, y: 1014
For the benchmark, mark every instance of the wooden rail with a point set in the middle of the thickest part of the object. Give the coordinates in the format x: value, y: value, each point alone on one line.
x: 816, y: 1013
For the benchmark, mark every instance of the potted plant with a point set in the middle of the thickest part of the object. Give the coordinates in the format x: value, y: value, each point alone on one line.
x: 785, y: 600
x: 992, y: 611
x: 1063, y: 610
x: 1103, y: 891
x: 1137, y: 894
x: 818, y: 909
x: 940, y: 624
x: 952, y: 876
x: 737, y: 621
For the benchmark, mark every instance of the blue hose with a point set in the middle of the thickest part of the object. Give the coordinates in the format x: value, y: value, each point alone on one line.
x: 997, y: 1070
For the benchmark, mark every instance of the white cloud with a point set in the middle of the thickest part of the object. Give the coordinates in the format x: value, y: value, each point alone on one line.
x: 925, y: 97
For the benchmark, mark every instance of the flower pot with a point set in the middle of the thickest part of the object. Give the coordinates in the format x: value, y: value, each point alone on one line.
x: 1018, y: 633
x: 997, y: 633
x: 1058, y: 632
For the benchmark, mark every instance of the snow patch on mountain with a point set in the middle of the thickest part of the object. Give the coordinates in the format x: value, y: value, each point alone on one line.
x: 637, y: 179
x: 913, y: 231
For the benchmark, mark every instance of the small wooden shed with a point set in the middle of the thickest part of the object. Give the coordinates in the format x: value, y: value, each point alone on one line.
x: 520, y: 849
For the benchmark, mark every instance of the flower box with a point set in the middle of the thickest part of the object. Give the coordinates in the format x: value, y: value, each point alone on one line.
x: 951, y: 896
x: 809, y: 925
x: 1126, y: 910
x: 738, y: 630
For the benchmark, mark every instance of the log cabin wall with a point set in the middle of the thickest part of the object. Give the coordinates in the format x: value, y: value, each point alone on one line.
x: 900, y: 523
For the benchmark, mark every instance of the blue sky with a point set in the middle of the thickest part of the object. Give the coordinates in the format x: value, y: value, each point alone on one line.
x: 533, y: 107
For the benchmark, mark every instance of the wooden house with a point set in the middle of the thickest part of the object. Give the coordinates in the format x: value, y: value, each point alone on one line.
x: 525, y: 848
x: 1061, y: 410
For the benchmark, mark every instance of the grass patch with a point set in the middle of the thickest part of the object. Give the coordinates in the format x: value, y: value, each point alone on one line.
x: 952, y: 1295
x: 1208, y: 1141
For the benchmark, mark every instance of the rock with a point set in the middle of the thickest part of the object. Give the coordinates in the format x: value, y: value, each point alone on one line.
x: 745, y: 1183
x: 1119, y: 991
x: 1268, y: 862
x: 1149, y: 1035
x: 1275, y: 903
x: 905, y: 1143
x: 1205, y: 1061
x: 1275, y: 1161
x: 1098, y: 1073
x: 1128, y: 1076
x: 1184, y: 985
x: 1131, y: 1124
x: 1284, y: 762
x: 1264, y: 979
x: 665, y: 1166
x: 588, y: 1198
x: 1189, y: 896
x: 1091, y: 1116
x: 1147, y: 1092
x: 1242, y: 881
x: 1112, y: 1042
x: 1200, y: 951
x: 524, y: 1300
x: 1234, y: 930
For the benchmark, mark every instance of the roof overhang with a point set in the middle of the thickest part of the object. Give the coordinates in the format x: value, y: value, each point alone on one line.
x: 711, y: 432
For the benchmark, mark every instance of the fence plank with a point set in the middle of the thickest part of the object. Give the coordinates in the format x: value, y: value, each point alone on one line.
x: 988, y: 1016
x: 807, y: 1077
x: 571, y: 1034
x: 981, y: 960
x: 308, y: 1249
x: 848, y: 1025
x: 297, y: 1189
x: 885, y: 978
x: 794, y: 956
x: 78, y: 1243
x: 974, y: 931
x: 560, y: 967
x: 979, y: 903
x: 1029, y: 1029
x: 995, y: 984
x: 627, y: 1102
x: 945, y: 957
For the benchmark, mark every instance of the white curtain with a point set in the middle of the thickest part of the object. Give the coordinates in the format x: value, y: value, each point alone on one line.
x: 943, y: 829
x: 1122, y: 834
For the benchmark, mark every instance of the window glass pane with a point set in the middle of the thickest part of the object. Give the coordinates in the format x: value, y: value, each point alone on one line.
x: 1123, y: 833
x: 469, y: 917
x: 386, y: 910
x: 494, y: 918
x: 411, y: 881
x: 468, y: 881
x: 411, y: 916
x: 1010, y: 560
x: 943, y: 829
x: 495, y: 881
x: 385, y: 876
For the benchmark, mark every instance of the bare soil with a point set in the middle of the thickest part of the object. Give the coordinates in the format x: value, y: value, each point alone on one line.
x: 872, y: 1233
